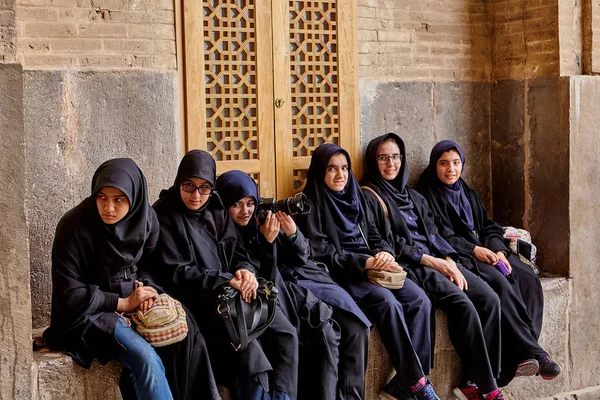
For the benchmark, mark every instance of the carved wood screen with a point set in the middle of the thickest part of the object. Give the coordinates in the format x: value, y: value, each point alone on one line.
x: 267, y: 81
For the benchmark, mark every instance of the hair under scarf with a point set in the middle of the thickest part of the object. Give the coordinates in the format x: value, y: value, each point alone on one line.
x: 454, y: 193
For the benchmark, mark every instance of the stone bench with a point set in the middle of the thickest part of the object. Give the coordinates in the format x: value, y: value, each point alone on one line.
x: 56, y: 376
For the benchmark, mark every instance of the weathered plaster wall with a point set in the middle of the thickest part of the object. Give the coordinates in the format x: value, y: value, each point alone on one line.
x: 423, y: 113
x: 15, y: 317
x: 74, y: 121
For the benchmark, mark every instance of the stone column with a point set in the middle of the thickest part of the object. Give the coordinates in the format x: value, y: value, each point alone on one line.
x: 15, y: 303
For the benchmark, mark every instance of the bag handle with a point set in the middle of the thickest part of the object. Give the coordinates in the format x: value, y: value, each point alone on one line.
x: 385, y: 209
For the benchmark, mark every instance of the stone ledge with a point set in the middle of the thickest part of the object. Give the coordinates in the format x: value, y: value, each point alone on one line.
x: 56, y: 376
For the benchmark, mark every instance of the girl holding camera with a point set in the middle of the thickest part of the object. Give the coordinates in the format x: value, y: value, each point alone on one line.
x: 333, y: 331
x: 479, y: 241
x: 198, y: 252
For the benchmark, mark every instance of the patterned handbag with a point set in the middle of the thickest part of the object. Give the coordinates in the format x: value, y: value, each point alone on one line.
x: 519, y: 243
x: 163, y: 323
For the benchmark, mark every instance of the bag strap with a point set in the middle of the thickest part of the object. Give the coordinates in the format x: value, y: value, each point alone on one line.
x: 385, y: 209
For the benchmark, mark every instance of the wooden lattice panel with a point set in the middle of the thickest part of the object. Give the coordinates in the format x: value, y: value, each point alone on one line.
x: 230, y: 79
x: 299, y: 179
x: 314, y: 74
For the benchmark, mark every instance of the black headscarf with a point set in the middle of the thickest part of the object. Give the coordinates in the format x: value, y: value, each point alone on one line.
x: 124, y: 240
x: 454, y: 193
x: 395, y: 189
x: 233, y: 186
x: 93, y: 264
x: 199, y: 250
x: 343, y: 210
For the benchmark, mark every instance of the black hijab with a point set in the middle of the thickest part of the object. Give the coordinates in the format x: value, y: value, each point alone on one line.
x: 123, y: 241
x: 343, y: 210
x: 454, y: 193
x: 93, y: 264
x: 395, y: 189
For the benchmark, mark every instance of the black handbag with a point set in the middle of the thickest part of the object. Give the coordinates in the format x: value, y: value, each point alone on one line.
x: 243, y: 321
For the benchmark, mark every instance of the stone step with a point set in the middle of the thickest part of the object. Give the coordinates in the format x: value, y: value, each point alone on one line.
x: 56, y: 376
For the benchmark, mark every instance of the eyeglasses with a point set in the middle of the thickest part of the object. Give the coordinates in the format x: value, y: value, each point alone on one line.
x: 384, y: 158
x: 189, y: 187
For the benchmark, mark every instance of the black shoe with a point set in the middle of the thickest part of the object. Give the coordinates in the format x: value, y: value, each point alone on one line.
x: 397, y: 393
x: 549, y: 369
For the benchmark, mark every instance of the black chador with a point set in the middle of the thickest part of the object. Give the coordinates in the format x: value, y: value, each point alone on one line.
x: 465, y: 224
x: 474, y: 314
x: 323, y: 313
x: 198, y: 252
x: 342, y: 236
x: 95, y: 264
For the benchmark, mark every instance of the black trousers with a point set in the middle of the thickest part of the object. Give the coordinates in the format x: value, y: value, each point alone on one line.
x: 519, y: 334
x: 527, y: 284
x: 473, y: 322
x: 334, y: 363
x: 280, y: 345
x: 403, y: 318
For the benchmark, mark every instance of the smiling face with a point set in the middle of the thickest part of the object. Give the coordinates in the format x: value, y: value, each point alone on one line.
x: 449, y: 167
x: 389, y: 151
x: 336, y: 175
x: 242, y: 210
x: 112, y: 205
x: 195, y: 199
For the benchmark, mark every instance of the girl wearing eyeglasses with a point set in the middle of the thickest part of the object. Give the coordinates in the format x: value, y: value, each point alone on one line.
x: 472, y: 307
x: 343, y: 236
x: 198, y: 252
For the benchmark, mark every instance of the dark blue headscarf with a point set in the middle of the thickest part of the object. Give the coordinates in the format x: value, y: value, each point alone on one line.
x: 343, y: 209
x: 454, y: 193
x: 233, y: 186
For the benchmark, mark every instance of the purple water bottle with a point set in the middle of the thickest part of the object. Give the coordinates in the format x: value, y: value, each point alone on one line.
x: 502, y: 267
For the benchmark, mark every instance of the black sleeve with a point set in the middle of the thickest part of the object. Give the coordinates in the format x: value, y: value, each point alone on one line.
x: 73, y: 296
x: 145, y: 266
x: 491, y: 234
x: 442, y: 247
x: 178, y: 265
x: 377, y: 238
x: 346, y: 266
x: 294, y: 251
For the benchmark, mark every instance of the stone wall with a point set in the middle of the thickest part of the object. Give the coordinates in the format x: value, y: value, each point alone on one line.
x: 15, y: 329
x: 423, y: 113
x: 96, y: 34
x: 74, y: 122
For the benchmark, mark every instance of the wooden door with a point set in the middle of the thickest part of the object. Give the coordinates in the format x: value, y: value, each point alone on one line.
x: 267, y: 81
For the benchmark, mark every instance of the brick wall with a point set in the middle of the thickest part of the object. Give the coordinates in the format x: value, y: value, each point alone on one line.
x: 525, y: 38
x: 98, y: 34
x: 7, y: 31
x: 424, y: 39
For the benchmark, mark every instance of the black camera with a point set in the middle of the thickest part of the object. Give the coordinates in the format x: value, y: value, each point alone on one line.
x: 293, y: 205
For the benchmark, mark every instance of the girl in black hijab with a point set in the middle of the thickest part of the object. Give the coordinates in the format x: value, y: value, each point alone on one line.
x: 479, y: 241
x: 198, y: 252
x: 97, y: 257
x: 276, y: 245
x: 343, y: 236
x: 472, y: 307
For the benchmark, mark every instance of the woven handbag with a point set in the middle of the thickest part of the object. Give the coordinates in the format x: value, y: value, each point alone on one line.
x: 243, y: 321
x: 162, y: 324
